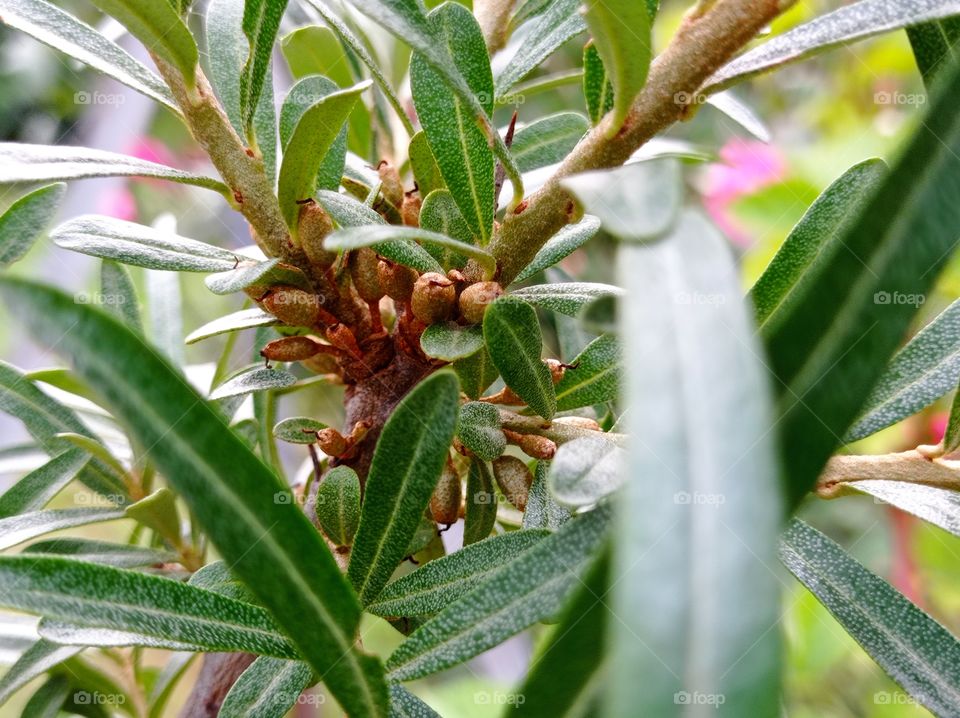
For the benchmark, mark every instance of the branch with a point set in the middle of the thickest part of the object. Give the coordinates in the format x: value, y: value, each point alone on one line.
x: 908, y: 466
x: 494, y: 19
x: 709, y: 37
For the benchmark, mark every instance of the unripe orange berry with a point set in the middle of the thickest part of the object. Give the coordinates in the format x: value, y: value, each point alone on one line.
x: 434, y: 297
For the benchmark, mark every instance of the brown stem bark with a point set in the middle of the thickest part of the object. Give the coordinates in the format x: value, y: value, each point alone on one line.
x: 217, y: 675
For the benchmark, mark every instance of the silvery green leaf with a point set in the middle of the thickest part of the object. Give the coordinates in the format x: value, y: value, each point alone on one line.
x: 480, y: 506
x: 34, y: 490
x: 561, y: 245
x: 548, y: 141
x: 938, y: 506
x: 165, y: 301
x: 597, y: 90
x: 26, y: 219
x: 117, y: 284
x: 480, y: 431
x: 439, y: 213
x: 269, y: 688
x: 338, y: 504
x: 244, y: 319
x: 585, y: 471
x: 593, y: 377
x: 346, y: 211
x: 741, y: 113
x: 567, y: 297
x: 252, y: 381
x: 91, y: 551
x: 543, y: 511
x: 35, y: 661
x: 140, y: 245
x: 424, y: 165
x: 261, y: 20
x: 403, y: 704
x: 450, y: 341
x: 248, y: 274
x: 299, y: 99
x: 934, y: 44
x: 23, y: 527
x: 298, y: 430
x: 402, y: 241
x: 476, y: 373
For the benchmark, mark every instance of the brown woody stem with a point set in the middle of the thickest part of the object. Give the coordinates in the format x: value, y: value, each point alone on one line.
x: 914, y: 467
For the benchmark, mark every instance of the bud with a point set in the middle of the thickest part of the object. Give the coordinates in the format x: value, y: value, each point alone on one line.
x: 514, y: 479
x: 557, y: 369
x: 539, y: 447
x: 313, y: 226
x: 332, y: 442
x: 434, y: 297
x: 290, y: 349
x: 363, y: 271
x: 342, y: 337
x: 475, y: 299
x: 445, y: 502
x: 581, y: 422
x: 392, y: 188
x: 396, y: 280
x: 410, y: 211
x: 322, y: 364
x: 292, y: 306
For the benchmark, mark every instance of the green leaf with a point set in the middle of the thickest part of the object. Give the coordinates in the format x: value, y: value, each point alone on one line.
x: 338, y: 504
x: 90, y: 551
x: 228, y: 49
x: 267, y: 689
x: 459, y: 146
x: 244, y: 319
x: 530, y: 588
x: 424, y: 166
x: 934, y: 45
x: 399, y: 244
x: 840, y: 27
x: 621, y: 34
x: 558, y: 23
x: 566, y: 297
x: 251, y: 273
x: 21, y: 162
x: 62, y: 31
x: 34, y: 490
x: 403, y: 704
x: 585, y: 471
x: 252, y: 381
x: 450, y: 341
x: 597, y: 89
x: 158, y: 511
x: 481, y: 503
x: 480, y: 431
x: 813, y: 242
x: 216, y: 577
x: 512, y: 333
x: 439, y: 213
x: 938, y: 506
x: 49, y: 698
x: 476, y: 373
x: 564, y: 243
x: 316, y: 50
x: 35, y: 661
x: 914, y: 650
x: 116, y: 284
x: 26, y: 220
x: 639, y: 201
x: 407, y: 462
x: 927, y: 368
x: 25, y: 526
x: 300, y: 98
x: 436, y: 584
x: 165, y: 299
x: 568, y: 675
x: 708, y: 502
x: 268, y: 543
x: 159, y: 27
x: 298, y: 430
x: 96, y: 449
x: 261, y: 20
x: 139, y: 245
x: 593, y: 377
x: 548, y: 140
x: 315, y: 133
x: 833, y: 347
x: 543, y: 511
x: 346, y: 211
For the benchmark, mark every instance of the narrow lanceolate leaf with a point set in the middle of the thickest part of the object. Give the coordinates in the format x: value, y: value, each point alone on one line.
x: 104, y: 597
x: 812, y: 243
x: 347, y: 211
x: 568, y: 675
x: 561, y: 245
x: 34, y: 490
x: 90, y: 551
x: 116, y: 285
x: 261, y: 20
x: 585, y: 471
x: 479, y: 429
x: 44, y: 163
x: 244, y: 319
x: 140, y: 245
x: 593, y: 377
x: 403, y: 704
x: 934, y: 45
x: 159, y: 27
x: 338, y: 504
x: 848, y: 24
x: 707, y: 480
x: 927, y: 368
x: 476, y: 373
x: 378, y: 236
x: 548, y: 141
x: 915, y: 650
x: 480, y: 507
x: 251, y: 381
x: 62, y: 31
x: 512, y: 333
x: 831, y: 350
x: 313, y: 137
x: 597, y: 89
x: 439, y: 213
x: 267, y: 689
x: 26, y: 219
x: 460, y: 147
x: 35, y: 661
x: 269, y: 544
x: 530, y: 588
x: 300, y: 98
x: 424, y: 165
x: 23, y: 527
x: 938, y: 506
x: 407, y: 462
x: 247, y: 274
x: 560, y: 22
x: 566, y: 297
x: 621, y: 34
x: 543, y: 511
x: 450, y: 342
x: 433, y: 586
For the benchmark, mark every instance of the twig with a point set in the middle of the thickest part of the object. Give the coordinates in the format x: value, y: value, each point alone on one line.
x: 914, y: 467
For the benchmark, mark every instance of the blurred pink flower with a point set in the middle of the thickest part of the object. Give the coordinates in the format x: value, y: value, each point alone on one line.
x: 938, y: 426
x: 119, y: 202
x: 745, y: 167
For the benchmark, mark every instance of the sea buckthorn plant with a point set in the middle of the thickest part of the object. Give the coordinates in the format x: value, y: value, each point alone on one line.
x: 488, y: 446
